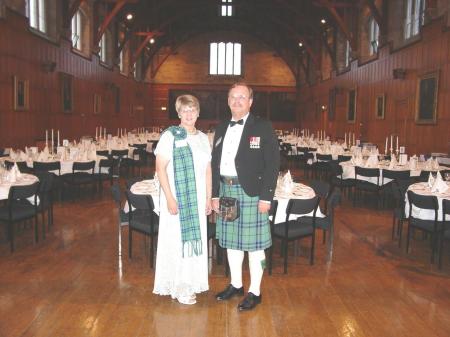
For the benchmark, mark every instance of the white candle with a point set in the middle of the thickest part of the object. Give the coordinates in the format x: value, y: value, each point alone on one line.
x: 392, y: 142
x: 58, y: 137
x: 52, y: 141
x: 354, y: 139
x: 397, y: 144
x: 386, y: 146
x: 105, y: 133
x: 96, y: 133
x: 46, y: 138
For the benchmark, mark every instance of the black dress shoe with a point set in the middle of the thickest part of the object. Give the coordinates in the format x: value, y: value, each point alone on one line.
x: 250, y: 301
x: 229, y: 292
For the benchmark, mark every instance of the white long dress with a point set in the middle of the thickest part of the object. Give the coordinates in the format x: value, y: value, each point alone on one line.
x: 175, y: 275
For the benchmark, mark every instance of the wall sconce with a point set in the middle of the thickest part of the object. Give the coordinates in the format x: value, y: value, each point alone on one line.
x: 48, y: 66
x: 163, y: 108
x: 323, y: 108
x: 399, y: 73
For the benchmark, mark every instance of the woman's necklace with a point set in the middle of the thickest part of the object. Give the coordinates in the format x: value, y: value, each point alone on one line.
x: 191, y: 132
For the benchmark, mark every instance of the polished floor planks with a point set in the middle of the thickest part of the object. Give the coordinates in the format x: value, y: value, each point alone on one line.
x: 74, y: 283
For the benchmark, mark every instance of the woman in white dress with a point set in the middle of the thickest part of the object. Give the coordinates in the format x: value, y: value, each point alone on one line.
x: 183, y: 157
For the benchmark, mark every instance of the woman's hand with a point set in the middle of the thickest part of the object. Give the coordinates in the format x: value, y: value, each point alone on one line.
x: 172, y: 206
x: 208, y: 207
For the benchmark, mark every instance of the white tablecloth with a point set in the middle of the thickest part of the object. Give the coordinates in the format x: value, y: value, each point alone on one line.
x: 348, y: 171
x: 25, y: 179
x: 299, y: 191
x: 424, y: 189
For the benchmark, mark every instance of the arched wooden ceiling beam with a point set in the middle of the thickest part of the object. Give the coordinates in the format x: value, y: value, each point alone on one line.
x: 117, y: 7
x: 331, y: 6
x: 147, y: 37
x: 181, y: 13
x: 290, y: 32
x: 251, y: 31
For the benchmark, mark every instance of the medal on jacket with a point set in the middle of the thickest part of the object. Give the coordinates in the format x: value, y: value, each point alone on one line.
x: 254, y: 142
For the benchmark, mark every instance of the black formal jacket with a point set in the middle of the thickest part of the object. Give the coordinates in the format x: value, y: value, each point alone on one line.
x: 257, y: 160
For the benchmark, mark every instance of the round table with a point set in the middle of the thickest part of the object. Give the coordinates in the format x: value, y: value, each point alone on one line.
x: 424, y: 189
x: 23, y: 180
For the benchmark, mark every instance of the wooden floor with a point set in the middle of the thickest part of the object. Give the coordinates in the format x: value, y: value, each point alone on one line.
x: 75, y: 284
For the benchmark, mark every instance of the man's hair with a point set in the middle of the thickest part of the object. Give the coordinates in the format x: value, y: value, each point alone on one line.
x: 242, y: 84
x: 187, y: 101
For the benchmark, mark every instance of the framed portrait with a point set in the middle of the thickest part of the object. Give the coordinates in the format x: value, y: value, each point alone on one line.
x: 97, y: 104
x: 380, y: 104
x: 426, y: 98
x: 21, y: 94
x: 332, y: 103
x: 351, y: 106
x: 66, y: 92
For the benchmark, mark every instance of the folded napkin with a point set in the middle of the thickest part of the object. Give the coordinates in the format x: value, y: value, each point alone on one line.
x: 430, y: 180
x: 92, y: 155
x: 17, y: 171
x: 435, y: 164
x: 429, y: 164
x: 42, y: 156
x: 287, y: 184
x: 23, y: 156
x: 393, y: 162
x: 439, y: 184
x: 372, y: 161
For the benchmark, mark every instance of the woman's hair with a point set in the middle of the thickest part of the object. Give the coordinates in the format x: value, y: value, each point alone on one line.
x: 187, y: 101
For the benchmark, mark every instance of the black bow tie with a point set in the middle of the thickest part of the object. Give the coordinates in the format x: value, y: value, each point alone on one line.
x: 240, y: 122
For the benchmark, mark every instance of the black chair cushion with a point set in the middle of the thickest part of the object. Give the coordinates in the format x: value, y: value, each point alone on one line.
x: 20, y: 211
x: 296, y: 229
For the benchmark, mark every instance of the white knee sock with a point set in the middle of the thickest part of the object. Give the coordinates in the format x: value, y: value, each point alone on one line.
x: 235, y: 259
x: 257, y: 260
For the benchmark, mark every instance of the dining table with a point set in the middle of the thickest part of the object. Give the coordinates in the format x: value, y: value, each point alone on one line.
x: 23, y: 179
x: 423, y: 188
x: 298, y: 191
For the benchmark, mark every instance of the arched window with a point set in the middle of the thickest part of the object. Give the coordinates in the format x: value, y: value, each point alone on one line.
x: 77, y: 30
x: 374, y: 33
x: 36, y: 11
x: 103, y: 50
x: 414, y: 17
x: 224, y: 58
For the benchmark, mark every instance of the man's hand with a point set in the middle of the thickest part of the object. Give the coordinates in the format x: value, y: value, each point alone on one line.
x: 215, y: 205
x: 263, y: 207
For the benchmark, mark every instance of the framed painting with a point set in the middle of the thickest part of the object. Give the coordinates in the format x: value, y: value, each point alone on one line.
x: 332, y: 103
x: 426, y: 98
x: 66, y: 92
x: 97, y: 104
x: 21, y: 94
x: 380, y: 104
x: 351, y: 106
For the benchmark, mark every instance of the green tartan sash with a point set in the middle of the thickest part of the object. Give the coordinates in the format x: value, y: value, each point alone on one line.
x: 183, y: 167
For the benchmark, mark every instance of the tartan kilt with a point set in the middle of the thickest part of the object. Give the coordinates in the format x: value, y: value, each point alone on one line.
x: 251, y: 231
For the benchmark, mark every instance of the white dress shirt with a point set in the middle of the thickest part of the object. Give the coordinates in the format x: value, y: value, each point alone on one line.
x: 230, y: 147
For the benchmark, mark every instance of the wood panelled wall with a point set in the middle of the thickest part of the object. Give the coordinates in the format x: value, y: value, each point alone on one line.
x: 430, y: 53
x: 160, y: 99
x: 23, y: 54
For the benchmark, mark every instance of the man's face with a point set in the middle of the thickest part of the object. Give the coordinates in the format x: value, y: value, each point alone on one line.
x: 239, y: 102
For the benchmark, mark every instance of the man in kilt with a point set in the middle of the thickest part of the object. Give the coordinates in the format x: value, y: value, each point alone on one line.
x: 245, y: 164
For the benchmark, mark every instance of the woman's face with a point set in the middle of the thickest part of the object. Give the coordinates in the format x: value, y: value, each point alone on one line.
x: 188, y: 116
